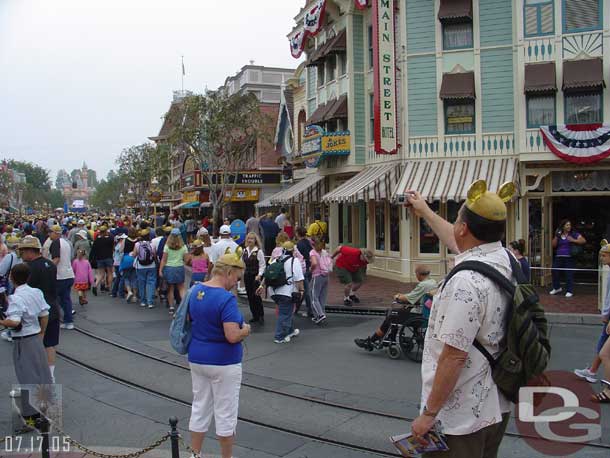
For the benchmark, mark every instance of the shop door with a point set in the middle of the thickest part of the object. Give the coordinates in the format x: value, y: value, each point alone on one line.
x: 590, y: 216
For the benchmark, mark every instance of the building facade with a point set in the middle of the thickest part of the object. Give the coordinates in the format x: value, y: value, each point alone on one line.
x: 473, y: 82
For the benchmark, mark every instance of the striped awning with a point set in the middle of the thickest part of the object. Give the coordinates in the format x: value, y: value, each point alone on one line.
x: 450, y: 179
x: 266, y: 203
x: 374, y: 183
x: 309, y: 189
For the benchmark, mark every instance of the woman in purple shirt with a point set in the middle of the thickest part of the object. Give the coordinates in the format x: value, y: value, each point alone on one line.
x: 564, y: 243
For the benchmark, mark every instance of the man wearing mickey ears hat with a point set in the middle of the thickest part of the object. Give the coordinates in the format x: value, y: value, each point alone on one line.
x: 457, y: 385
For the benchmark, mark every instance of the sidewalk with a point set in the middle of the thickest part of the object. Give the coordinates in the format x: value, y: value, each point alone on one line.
x: 378, y: 292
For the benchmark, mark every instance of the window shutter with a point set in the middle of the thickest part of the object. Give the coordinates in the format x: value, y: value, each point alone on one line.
x: 581, y: 14
x: 546, y: 18
x: 531, y: 20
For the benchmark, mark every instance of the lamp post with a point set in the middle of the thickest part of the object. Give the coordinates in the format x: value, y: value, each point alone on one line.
x: 131, y: 198
x: 154, y: 196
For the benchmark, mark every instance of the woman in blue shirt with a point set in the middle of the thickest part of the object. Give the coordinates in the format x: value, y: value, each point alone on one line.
x: 215, y: 353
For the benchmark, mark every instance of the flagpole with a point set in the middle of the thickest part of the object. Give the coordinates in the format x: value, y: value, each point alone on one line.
x: 182, y: 75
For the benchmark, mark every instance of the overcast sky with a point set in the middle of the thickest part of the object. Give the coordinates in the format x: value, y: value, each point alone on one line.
x: 83, y: 79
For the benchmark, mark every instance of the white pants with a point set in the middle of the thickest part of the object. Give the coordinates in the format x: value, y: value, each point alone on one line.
x: 215, y: 391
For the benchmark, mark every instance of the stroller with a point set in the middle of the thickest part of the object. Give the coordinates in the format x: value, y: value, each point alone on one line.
x: 406, y: 333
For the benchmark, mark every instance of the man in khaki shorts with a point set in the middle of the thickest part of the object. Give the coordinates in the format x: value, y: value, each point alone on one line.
x: 350, y: 268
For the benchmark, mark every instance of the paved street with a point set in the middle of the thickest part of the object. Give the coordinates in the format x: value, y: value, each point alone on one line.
x: 321, y: 363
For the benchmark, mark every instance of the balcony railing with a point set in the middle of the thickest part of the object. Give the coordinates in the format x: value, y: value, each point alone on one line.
x: 539, y: 50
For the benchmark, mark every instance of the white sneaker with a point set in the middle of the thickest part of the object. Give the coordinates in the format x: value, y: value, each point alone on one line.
x: 569, y: 294
x: 6, y: 335
x: 15, y: 393
x: 586, y: 374
x: 294, y: 333
x: 67, y: 326
x: 128, y: 297
x: 142, y: 304
x: 281, y: 341
x: 151, y: 306
x: 555, y: 291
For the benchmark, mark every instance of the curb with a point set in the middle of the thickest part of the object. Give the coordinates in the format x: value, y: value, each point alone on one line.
x: 586, y: 319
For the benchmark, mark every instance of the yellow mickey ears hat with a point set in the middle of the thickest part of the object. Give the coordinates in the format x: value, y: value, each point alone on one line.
x: 605, y: 246
x: 489, y: 205
x: 232, y: 259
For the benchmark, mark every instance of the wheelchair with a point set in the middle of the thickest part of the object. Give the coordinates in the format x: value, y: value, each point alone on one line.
x: 406, y: 335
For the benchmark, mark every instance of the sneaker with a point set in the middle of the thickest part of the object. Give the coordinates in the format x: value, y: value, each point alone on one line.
x: 128, y: 297
x: 364, y: 343
x: 555, y: 291
x: 281, y: 341
x: 151, y: 306
x: 347, y: 302
x: 142, y: 304
x: 320, y: 319
x: 67, y: 326
x: 355, y: 298
x: 94, y: 290
x: 302, y: 313
x: 15, y: 393
x: 294, y: 333
x: 586, y: 374
x: 6, y: 335
x: 569, y: 294
x: 172, y: 310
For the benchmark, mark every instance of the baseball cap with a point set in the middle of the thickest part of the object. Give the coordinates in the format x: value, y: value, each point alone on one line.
x: 29, y: 241
x: 175, y: 231
x: 202, y: 231
x: 56, y: 228
x: 225, y: 230
x: 82, y: 233
x: 81, y: 222
x: 288, y: 246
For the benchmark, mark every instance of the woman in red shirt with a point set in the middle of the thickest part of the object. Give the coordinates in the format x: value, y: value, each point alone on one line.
x: 350, y: 268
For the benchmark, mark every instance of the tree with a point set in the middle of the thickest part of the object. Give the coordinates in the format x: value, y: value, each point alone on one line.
x: 6, y: 184
x: 107, y: 192
x: 37, y: 182
x: 92, y: 178
x: 220, y: 132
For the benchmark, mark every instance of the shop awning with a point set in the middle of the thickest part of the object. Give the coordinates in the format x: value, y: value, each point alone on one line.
x: 266, y: 203
x: 583, y: 74
x: 320, y: 114
x: 309, y: 189
x: 374, y: 183
x: 186, y: 205
x: 540, y: 78
x: 337, y: 44
x: 451, y: 10
x: 449, y: 179
x: 338, y: 109
x: 458, y: 86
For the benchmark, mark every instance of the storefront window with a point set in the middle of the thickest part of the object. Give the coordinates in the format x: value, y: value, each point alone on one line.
x: 394, y: 228
x: 583, y: 108
x: 345, y: 223
x: 380, y: 226
x: 452, y: 210
x: 428, y: 241
x: 459, y: 116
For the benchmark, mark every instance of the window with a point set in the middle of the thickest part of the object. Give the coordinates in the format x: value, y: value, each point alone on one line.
x: 453, y: 208
x: 428, y: 241
x: 345, y: 223
x: 583, y: 108
x: 371, y: 118
x: 380, y: 226
x: 538, y: 18
x: 331, y: 67
x: 540, y: 110
x: 459, y: 117
x: 370, y: 46
x: 320, y: 75
x: 343, y: 59
x: 394, y: 228
x: 457, y: 35
x: 582, y: 15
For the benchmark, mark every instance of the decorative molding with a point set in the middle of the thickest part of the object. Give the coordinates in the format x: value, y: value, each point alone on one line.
x: 588, y: 44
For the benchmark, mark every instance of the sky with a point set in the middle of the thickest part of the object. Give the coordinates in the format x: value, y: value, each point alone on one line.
x: 80, y: 80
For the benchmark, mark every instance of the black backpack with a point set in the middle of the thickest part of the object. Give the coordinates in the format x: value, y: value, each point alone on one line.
x: 275, y: 274
x: 528, y: 350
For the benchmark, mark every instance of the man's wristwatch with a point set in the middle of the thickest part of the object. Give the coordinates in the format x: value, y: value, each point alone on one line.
x: 428, y: 413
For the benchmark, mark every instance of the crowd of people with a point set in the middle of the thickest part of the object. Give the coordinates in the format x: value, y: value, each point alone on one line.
x: 44, y: 260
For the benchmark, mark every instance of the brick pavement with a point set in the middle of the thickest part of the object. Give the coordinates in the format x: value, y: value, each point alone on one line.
x: 378, y: 292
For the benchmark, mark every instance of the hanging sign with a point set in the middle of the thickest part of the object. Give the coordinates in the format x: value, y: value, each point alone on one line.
x: 312, y: 22
x: 578, y: 143
x: 318, y: 144
x: 384, y: 58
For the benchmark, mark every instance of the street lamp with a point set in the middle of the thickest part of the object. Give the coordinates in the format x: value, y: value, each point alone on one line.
x: 154, y: 195
x: 131, y: 198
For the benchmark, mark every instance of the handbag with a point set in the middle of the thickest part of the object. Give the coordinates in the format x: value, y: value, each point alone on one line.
x: 180, y: 331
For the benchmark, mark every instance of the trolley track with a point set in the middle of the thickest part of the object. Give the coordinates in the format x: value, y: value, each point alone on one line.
x: 309, y: 399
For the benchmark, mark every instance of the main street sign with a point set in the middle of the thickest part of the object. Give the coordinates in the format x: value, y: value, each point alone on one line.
x: 384, y: 58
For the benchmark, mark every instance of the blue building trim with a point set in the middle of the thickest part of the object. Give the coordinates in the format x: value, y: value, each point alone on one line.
x: 599, y: 26
x: 538, y: 7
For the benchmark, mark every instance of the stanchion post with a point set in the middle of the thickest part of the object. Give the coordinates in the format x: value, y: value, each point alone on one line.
x: 174, y: 435
x: 43, y: 427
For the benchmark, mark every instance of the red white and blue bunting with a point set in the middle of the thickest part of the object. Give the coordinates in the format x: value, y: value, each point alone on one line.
x: 578, y: 143
x: 312, y: 22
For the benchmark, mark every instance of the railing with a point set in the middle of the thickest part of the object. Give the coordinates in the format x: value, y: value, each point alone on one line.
x: 374, y: 158
x: 498, y: 144
x: 495, y: 144
x: 343, y: 85
x: 539, y: 50
x: 534, y: 142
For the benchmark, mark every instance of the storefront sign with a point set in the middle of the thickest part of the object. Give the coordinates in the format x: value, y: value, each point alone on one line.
x: 190, y: 196
x: 384, y: 58
x: 249, y: 178
x: 242, y: 195
x: 191, y: 179
x: 317, y: 144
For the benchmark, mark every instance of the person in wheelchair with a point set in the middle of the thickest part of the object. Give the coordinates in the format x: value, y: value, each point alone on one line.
x: 401, y: 315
